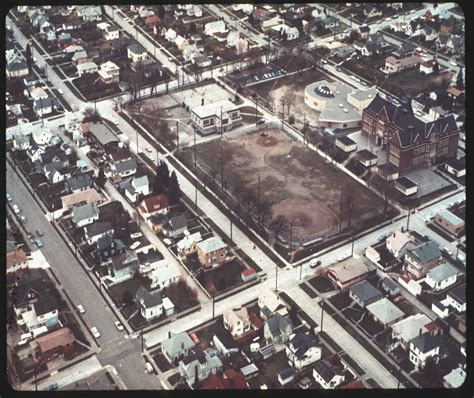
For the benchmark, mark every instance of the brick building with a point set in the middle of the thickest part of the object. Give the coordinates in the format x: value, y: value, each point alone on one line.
x: 411, y: 142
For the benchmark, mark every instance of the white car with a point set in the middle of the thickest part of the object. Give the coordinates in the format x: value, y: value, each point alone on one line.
x: 16, y: 209
x: 119, y: 326
x: 148, y: 149
x: 453, y: 63
x: 80, y: 308
x: 134, y: 245
x: 167, y: 241
x: 61, y: 91
x: 95, y: 332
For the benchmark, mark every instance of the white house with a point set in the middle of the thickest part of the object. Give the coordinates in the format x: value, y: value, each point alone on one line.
x: 170, y: 35
x: 456, y: 298
x: 237, y: 321
x: 328, y: 376
x: 210, y: 118
x: 161, y: 273
x: 123, y: 168
x: 405, y: 330
x: 136, y: 52
x: 398, y: 242
x: 302, y: 350
x: 442, y: 276
x: 109, y: 72
x: 232, y: 37
x: 152, y: 305
x: 215, y: 27
x: 87, y: 67
x: 138, y: 186
x: 44, y: 136
x: 111, y: 33
x: 85, y: 214
x: 290, y: 31
x: 423, y: 347
x: 186, y: 245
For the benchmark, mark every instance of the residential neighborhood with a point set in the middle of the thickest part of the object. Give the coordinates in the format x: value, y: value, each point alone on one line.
x: 236, y: 197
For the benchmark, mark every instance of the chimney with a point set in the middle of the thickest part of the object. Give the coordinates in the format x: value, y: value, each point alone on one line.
x: 182, y: 344
x: 202, y: 101
x: 410, y: 130
x: 421, y: 331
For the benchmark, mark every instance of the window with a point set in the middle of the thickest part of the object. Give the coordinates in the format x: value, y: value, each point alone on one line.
x: 394, y: 150
x: 206, y: 122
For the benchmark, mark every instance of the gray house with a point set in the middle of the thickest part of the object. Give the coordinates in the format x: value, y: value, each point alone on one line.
x: 85, y: 214
x: 79, y: 183
x: 198, y: 363
x: 364, y: 293
x: 175, y: 226
x: 176, y: 346
x: 277, y: 329
x: 122, y: 267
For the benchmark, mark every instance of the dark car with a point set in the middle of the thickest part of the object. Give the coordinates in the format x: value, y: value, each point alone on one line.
x: 39, y: 232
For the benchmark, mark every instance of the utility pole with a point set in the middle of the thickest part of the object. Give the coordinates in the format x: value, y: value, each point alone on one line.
x: 301, y: 270
x: 141, y: 334
x: 322, y: 315
x: 291, y: 236
x: 352, y: 249
x: 230, y: 228
x: 136, y: 135
x: 340, y: 209
x: 283, y: 117
x: 195, y: 194
x: 42, y: 118
x: 258, y: 199
x: 408, y: 218
x: 177, y: 135
x: 194, y: 147
x: 276, y: 277
x: 213, y: 304
x: 222, y: 168
x: 221, y: 121
x: 256, y: 102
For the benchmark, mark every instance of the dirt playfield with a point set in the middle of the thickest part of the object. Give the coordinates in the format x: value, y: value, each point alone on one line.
x: 298, y: 183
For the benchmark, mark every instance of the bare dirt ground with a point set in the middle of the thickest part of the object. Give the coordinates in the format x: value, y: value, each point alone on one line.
x: 298, y: 183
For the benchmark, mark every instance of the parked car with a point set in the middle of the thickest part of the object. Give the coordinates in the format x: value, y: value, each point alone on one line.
x: 39, y: 233
x: 149, y: 368
x: 9, y: 197
x: 148, y: 149
x: 261, y: 121
x: 314, y: 263
x: 134, y: 245
x: 382, y: 237
x: 194, y: 338
x: 136, y: 235
x: 447, y: 251
x: 16, y: 209
x: 38, y: 243
x: 95, y: 332
x: 22, y: 219
x: 80, y: 308
x: 304, y: 383
x: 167, y: 241
x: 119, y: 325
x: 61, y: 91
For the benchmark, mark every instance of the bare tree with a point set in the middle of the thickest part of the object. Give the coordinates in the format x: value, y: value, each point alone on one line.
x: 265, y: 211
x: 289, y: 97
x: 249, y: 199
x: 279, y: 225
x: 118, y: 101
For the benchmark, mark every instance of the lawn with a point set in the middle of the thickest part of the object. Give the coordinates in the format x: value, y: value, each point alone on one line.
x: 341, y: 300
x: 276, y: 364
x: 161, y: 362
x: 223, y: 278
x: 321, y: 284
x: 117, y: 292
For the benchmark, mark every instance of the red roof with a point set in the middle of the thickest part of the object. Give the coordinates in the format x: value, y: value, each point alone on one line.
x: 248, y: 272
x: 152, y: 20
x: 235, y: 379
x: 232, y: 380
x: 355, y: 384
x: 429, y: 64
x: 16, y: 257
x: 59, y: 338
x: 255, y: 320
x: 154, y: 203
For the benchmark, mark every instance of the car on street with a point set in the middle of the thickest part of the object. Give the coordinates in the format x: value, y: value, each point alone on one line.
x: 38, y: 243
x: 61, y: 91
x: 167, y: 241
x: 324, y: 61
x: 363, y: 83
x: 39, y: 233
x: 382, y: 237
x: 80, y: 308
x: 16, y: 209
x: 148, y: 149
x: 447, y: 251
x: 338, y: 68
x: 194, y: 338
x: 9, y: 197
x: 149, y: 368
x: 453, y: 63
x: 388, y: 18
x: 22, y: 219
x: 31, y: 237
x: 136, y: 235
x: 261, y: 121
x: 95, y: 332
x: 119, y: 325
x: 314, y: 263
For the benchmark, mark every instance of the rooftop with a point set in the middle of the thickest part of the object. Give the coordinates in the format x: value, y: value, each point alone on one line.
x: 211, y: 245
x: 385, y: 311
x: 406, y: 182
x: 365, y: 291
x: 443, y: 272
x: 214, y: 108
x: 450, y: 217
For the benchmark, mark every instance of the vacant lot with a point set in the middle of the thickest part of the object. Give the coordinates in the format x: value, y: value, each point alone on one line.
x: 413, y: 82
x: 291, y: 90
x: 295, y: 182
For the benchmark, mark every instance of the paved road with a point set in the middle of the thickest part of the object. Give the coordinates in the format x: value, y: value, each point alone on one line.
x: 123, y: 353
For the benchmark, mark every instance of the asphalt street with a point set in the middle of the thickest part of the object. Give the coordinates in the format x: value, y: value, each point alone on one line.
x: 115, y: 349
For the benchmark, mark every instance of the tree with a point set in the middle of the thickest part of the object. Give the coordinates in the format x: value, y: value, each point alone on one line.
x: 161, y: 181
x: 161, y: 11
x: 460, y: 80
x: 28, y: 56
x: 90, y: 115
x: 118, y: 101
x: 100, y: 180
x: 279, y: 225
x: 265, y: 211
x: 289, y: 97
x: 174, y: 191
x: 249, y: 199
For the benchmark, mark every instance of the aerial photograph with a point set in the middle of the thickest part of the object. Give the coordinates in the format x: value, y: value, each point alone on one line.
x: 235, y: 196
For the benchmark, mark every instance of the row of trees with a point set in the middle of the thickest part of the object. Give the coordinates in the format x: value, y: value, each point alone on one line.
x: 167, y: 183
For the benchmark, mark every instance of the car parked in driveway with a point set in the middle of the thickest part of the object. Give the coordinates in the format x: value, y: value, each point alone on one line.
x: 95, y: 332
